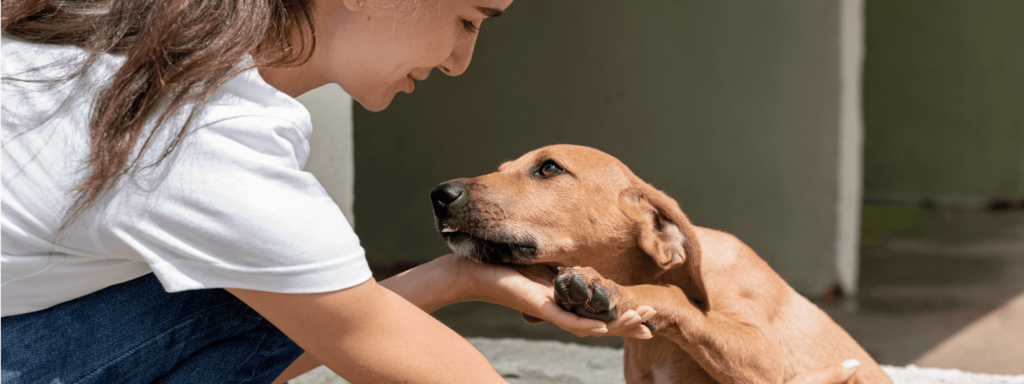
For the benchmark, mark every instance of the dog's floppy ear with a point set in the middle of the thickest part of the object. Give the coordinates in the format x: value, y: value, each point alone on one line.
x: 666, y: 235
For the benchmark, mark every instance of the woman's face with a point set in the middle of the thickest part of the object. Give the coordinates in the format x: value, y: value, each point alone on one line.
x: 376, y: 48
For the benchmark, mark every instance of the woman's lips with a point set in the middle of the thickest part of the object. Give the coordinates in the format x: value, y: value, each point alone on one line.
x: 412, y: 84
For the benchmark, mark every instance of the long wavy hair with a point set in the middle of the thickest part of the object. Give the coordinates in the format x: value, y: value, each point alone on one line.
x: 178, y: 52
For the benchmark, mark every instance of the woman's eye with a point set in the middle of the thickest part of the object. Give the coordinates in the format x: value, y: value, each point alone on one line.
x: 549, y: 168
x: 469, y: 26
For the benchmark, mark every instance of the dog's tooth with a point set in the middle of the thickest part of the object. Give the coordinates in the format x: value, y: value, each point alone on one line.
x: 446, y: 230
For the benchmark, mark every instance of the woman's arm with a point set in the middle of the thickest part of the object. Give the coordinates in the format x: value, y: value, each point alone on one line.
x: 449, y: 279
x: 433, y: 285
x: 429, y: 286
x: 372, y: 335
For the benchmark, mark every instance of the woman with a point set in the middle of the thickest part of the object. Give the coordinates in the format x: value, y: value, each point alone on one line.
x: 189, y: 178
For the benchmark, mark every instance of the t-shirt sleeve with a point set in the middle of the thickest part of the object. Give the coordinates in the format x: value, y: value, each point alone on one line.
x: 232, y: 208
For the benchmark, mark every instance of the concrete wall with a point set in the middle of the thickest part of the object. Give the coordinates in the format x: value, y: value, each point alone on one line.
x: 944, y: 101
x: 330, y: 145
x: 731, y: 107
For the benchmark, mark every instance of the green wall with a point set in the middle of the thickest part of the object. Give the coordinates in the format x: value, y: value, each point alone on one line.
x: 729, y: 106
x: 944, y: 101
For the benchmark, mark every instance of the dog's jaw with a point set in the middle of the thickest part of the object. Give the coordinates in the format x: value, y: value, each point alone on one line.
x: 489, y: 247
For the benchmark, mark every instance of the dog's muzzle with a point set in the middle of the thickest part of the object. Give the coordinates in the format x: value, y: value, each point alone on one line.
x: 474, y: 232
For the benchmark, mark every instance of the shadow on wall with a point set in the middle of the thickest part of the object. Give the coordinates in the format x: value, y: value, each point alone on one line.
x: 943, y: 92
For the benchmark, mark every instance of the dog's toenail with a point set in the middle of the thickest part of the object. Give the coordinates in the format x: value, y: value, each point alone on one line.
x: 562, y: 285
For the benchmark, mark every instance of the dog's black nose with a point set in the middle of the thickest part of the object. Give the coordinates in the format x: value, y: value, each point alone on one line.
x: 446, y: 195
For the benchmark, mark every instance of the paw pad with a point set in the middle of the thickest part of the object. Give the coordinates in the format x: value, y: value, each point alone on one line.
x: 583, y: 292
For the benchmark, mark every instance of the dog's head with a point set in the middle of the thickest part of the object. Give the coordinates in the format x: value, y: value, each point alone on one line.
x: 568, y: 205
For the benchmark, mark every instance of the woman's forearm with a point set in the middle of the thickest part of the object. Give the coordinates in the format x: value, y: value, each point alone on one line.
x: 372, y: 335
x: 429, y: 286
x: 432, y: 285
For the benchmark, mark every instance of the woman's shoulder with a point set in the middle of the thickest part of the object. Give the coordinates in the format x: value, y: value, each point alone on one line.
x: 25, y: 60
x: 247, y: 99
x: 34, y: 68
x: 247, y: 118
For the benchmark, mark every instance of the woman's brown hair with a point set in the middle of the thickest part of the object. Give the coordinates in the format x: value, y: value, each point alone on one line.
x: 178, y: 52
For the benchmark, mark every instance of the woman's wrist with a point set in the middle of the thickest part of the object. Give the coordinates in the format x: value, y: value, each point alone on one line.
x: 432, y: 285
x: 456, y: 281
x: 475, y: 281
x: 464, y: 275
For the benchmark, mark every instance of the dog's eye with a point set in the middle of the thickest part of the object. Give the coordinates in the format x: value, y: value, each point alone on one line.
x: 549, y: 168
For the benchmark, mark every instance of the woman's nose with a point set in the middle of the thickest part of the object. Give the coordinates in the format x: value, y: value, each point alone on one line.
x: 458, y: 61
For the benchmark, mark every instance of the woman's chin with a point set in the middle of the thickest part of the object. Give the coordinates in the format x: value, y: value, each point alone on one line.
x: 377, y: 103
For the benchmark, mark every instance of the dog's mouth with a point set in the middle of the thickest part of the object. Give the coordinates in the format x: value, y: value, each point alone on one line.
x: 488, y: 247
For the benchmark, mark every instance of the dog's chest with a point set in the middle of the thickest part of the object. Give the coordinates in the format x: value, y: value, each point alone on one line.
x: 664, y: 373
x: 659, y: 361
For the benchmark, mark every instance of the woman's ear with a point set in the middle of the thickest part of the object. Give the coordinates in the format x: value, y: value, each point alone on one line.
x: 667, y: 237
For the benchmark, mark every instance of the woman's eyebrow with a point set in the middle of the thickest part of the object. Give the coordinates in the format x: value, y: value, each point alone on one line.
x: 490, y: 12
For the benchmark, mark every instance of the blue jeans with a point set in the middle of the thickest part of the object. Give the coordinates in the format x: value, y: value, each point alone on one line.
x: 135, y: 332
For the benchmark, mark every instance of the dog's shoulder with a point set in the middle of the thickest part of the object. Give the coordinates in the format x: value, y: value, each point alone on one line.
x: 724, y: 251
x: 719, y: 244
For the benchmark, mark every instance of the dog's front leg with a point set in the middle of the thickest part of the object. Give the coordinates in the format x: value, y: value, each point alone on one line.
x: 729, y: 350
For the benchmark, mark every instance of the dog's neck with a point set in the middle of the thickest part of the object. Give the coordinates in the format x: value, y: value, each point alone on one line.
x: 624, y: 263
x: 626, y: 266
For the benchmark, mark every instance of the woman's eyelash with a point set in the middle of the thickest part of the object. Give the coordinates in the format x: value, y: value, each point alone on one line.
x: 469, y: 26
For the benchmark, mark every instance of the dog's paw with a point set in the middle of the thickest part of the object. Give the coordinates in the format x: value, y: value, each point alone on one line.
x: 582, y: 291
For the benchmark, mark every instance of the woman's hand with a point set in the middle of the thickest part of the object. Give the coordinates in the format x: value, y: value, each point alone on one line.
x: 530, y: 290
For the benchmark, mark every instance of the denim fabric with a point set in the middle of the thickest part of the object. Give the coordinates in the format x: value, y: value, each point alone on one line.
x: 135, y: 332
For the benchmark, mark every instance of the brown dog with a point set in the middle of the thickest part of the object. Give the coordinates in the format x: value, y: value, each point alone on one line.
x: 723, y: 314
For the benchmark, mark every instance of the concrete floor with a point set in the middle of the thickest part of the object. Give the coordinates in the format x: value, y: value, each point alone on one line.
x: 550, y: 362
x: 954, y: 276
x: 920, y: 286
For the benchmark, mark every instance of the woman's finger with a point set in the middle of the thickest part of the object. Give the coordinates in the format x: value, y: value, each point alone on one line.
x: 569, y: 321
x: 836, y: 374
x: 646, y: 312
x: 630, y: 323
x: 630, y: 318
x: 642, y: 332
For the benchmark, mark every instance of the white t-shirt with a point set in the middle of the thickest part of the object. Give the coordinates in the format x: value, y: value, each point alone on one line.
x: 230, y: 208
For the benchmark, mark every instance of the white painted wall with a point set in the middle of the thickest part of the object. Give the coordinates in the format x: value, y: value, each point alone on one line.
x: 330, y: 146
x: 851, y: 144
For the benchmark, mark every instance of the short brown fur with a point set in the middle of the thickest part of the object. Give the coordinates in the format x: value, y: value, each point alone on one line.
x: 723, y: 314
